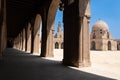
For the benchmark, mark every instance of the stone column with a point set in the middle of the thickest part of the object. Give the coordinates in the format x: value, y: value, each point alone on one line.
x: 3, y: 28
x: 21, y: 43
x: 47, y: 42
x: 76, y: 33
x: 44, y: 34
x: 26, y: 37
x: 29, y: 38
x: 50, y: 42
x: 23, y: 40
x: 47, y: 38
x: 37, y: 34
x: 32, y: 35
x: 48, y: 17
x: 15, y: 43
x: 1, y: 17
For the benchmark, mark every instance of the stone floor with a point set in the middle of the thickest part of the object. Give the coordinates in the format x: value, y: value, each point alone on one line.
x: 17, y: 65
x: 104, y: 63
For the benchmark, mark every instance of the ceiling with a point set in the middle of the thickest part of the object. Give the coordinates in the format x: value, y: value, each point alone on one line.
x: 18, y: 12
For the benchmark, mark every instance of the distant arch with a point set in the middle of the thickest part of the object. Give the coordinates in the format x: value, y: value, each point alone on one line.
x: 56, y: 45
x: 118, y: 46
x: 94, y: 36
x: 62, y: 45
x: 93, y: 45
x: 109, y: 45
x: 108, y: 35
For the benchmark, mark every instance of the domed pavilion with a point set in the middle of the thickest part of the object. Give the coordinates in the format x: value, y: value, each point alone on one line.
x: 100, y: 37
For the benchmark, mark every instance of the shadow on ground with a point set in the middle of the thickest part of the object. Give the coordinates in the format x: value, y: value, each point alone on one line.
x: 17, y: 65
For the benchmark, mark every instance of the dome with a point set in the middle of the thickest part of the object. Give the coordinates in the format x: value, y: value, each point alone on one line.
x: 100, y: 25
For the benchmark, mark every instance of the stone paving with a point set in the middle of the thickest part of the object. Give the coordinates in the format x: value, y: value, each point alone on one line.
x: 104, y: 63
x: 17, y: 65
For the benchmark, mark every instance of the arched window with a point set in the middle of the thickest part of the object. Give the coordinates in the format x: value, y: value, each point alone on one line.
x: 118, y: 46
x: 100, y: 31
x: 62, y: 45
x: 109, y: 45
x: 93, y: 45
x: 108, y: 35
x: 94, y: 36
x: 56, y: 45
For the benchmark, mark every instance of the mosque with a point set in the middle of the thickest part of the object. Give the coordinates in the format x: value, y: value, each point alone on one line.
x: 100, y: 38
x: 58, y: 38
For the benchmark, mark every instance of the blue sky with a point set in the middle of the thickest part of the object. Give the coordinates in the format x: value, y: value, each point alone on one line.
x: 106, y: 10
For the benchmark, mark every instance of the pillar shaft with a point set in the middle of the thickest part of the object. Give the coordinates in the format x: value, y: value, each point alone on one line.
x: 23, y: 39
x: 76, y: 33
x: 50, y: 43
x: 47, y: 42
x: 47, y: 39
x: 48, y: 17
x: 3, y: 28
x: 35, y: 32
x: 19, y: 41
x: 29, y: 38
x: 26, y: 37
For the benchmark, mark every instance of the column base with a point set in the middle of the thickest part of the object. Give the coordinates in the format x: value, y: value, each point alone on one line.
x: 51, y: 55
x: 76, y: 64
x: 84, y: 64
x: 69, y: 63
x: 46, y: 55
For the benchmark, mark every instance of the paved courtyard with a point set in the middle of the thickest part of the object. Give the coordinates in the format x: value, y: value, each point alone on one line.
x: 17, y: 65
x: 104, y: 63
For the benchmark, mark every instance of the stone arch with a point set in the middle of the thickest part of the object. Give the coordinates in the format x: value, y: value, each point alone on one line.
x: 108, y: 35
x: 36, y: 33
x: 118, y: 46
x: 109, y: 45
x: 93, y: 45
x: 48, y: 26
x: 52, y: 13
x: 94, y: 36
x: 56, y: 45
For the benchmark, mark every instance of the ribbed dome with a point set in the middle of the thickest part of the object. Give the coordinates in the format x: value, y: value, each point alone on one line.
x: 100, y: 25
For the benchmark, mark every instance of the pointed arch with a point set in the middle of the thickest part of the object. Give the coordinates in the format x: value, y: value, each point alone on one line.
x: 108, y: 35
x: 48, y: 28
x: 118, y: 46
x: 109, y: 45
x: 94, y: 36
x: 93, y: 45
x: 56, y: 45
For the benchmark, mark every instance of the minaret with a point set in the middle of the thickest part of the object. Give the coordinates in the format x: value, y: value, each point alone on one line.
x: 59, y: 33
x: 59, y: 27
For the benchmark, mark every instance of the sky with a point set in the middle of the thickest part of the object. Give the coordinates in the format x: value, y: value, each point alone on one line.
x: 106, y: 10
